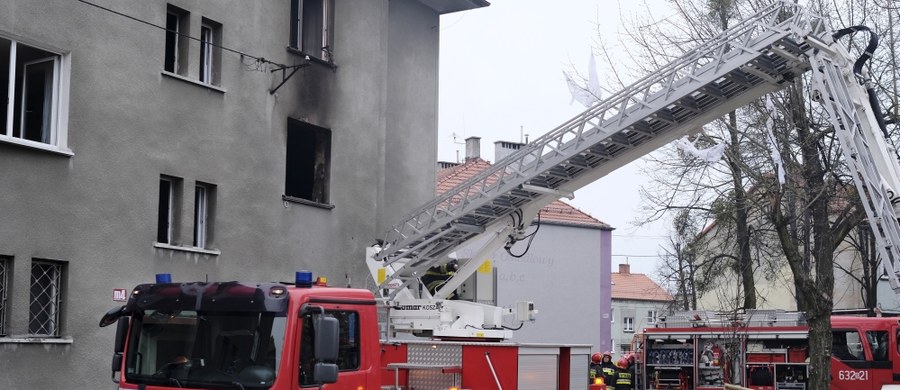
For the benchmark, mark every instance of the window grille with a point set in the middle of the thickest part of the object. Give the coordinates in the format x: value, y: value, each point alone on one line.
x: 43, y: 316
x: 4, y: 287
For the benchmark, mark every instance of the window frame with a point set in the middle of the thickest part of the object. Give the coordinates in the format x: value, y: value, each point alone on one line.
x: 652, y: 316
x: 204, y: 212
x: 207, y: 37
x: 305, y: 340
x: 56, y: 286
x: 326, y: 34
x: 5, y: 271
x: 628, y: 324
x: 307, y: 177
x: 57, y: 106
x: 177, y: 51
x: 172, y: 213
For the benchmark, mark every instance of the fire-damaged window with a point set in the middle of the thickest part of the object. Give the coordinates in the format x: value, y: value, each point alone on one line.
x: 46, y: 296
x: 169, y: 205
x: 348, y: 344
x: 308, y: 160
x: 5, y: 265
x: 311, y: 27
x: 33, y: 93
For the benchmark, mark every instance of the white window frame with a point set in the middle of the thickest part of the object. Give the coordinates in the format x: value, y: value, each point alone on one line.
x: 652, y: 316
x: 176, y: 35
x: 201, y: 215
x: 59, y: 101
x: 612, y: 315
x: 169, y: 212
x: 320, y: 53
x: 628, y: 324
x: 207, y: 37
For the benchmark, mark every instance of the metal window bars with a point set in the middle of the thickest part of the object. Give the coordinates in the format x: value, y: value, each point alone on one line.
x: 742, y: 64
x: 43, y: 316
x: 4, y: 287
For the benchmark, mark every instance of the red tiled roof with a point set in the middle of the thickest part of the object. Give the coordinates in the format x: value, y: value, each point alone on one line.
x: 558, y: 212
x: 637, y: 287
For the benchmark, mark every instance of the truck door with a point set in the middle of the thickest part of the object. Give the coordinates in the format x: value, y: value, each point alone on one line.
x: 353, y: 369
x: 853, y: 365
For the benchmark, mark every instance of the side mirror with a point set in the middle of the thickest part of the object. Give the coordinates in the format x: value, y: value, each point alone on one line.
x: 326, y: 341
x: 325, y: 373
x: 111, y: 316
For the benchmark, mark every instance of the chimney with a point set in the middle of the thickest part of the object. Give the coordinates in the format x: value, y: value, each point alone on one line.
x: 624, y: 269
x: 473, y: 148
x: 505, y: 148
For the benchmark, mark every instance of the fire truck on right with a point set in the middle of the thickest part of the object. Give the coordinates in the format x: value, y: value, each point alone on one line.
x: 764, y: 350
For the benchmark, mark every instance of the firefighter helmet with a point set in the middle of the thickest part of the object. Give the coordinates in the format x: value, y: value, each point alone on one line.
x: 596, y: 357
x: 622, y: 363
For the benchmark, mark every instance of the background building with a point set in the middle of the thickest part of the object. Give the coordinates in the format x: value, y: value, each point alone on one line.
x: 569, y: 284
x: 247, y: 141
x: 637, y: 302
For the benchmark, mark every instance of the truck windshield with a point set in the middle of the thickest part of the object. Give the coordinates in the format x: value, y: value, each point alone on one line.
x: 200, y: 349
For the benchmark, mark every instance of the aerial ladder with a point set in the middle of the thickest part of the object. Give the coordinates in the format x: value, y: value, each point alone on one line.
x: 760, y: 55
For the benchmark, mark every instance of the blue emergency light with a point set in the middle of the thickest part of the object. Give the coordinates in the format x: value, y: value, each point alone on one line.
x: 163, y: 278
x: 303, y: 279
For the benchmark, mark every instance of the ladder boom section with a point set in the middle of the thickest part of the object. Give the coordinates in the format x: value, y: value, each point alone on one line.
x: 743, y: 63
x: 872, y: 163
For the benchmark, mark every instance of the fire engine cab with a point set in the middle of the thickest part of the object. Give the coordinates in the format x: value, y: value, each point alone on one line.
x: 763, y: 350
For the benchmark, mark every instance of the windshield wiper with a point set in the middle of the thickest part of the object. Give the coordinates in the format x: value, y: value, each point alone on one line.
x: 173, y: 380
x: 238, y: 384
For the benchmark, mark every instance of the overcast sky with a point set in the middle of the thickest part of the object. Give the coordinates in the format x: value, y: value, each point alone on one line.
x: 501, y: 76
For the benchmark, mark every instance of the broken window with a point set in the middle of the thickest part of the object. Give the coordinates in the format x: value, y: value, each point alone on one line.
x: 46, y: 295
x: 168, y: 209
x: 311, y: 26
x: 176, y: 45
x: 203, y: 205
x: 210, y: 38
x: 308, y: 161
x: 30, y: 85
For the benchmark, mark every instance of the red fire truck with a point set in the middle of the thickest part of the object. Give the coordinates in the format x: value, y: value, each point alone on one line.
x: 233, y: 335
x: 283, y: 336
x: 764, y: 350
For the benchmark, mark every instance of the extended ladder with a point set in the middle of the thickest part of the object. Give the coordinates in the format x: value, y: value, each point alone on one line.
x: 758, y: 56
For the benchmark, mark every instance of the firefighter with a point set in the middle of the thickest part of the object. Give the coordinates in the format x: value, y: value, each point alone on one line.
x: 436, y: 276
x: 594, y: 369
x: 607, y: 368
x: 624, y: 375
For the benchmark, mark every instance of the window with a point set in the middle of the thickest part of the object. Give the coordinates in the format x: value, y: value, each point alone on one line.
x: 847, y: 345
x: 46, y: 295
x: 308, y: 161
x: 31, y: 85
x: 348, y: 344
x: 612, y: 315
x: 5, y: 264
x: 203, y: 199
x: 210, y: 40
x: 651, y: 316
x: 169, y: 188
x: 176, y: 46
x: 311, y: 27
x: 878, y: 343
x: 628, y: 324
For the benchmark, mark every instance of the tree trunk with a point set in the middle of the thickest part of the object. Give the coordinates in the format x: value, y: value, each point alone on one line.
x: 744, y: 264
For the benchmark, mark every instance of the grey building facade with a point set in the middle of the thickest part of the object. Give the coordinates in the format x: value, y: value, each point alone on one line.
x: 219, y: 140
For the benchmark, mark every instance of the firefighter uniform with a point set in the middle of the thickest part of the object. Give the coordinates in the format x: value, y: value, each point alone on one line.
x: 607, y: 369
x: 435, y: 277
x: 624, y: 376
